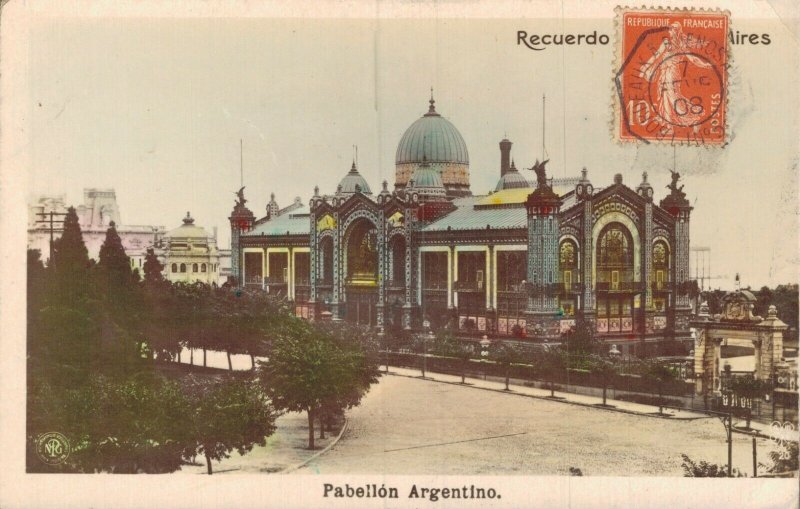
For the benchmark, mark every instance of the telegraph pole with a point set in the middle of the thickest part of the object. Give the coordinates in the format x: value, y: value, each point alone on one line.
x: 50, y: 223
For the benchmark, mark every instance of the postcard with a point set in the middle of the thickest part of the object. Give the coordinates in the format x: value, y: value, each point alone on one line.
x: 399, y: 254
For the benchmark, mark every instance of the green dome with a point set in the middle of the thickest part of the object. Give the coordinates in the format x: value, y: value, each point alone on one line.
x: 353, y: 182
x: 426, y: 182
x: 434, y: 138
x: 513, y: 179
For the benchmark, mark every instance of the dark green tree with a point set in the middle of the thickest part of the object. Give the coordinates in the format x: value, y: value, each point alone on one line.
x: 301, y: 372
x: 505, y: 354
x: 447, y: 345
x: 118, y: 425
x: 152, y: 268
x: 358, y: 353
x: 70, y: 261
x: 114, y: 265
x: 660, y: 375
x: 605, y: 371
x: 227, y: 416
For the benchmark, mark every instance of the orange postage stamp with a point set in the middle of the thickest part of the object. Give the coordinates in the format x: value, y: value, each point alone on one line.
x: 671, y: 83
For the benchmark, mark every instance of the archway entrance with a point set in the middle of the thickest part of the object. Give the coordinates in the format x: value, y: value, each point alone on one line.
x: 616, y: 286
x: 736, y: 328
x: 361, y: 283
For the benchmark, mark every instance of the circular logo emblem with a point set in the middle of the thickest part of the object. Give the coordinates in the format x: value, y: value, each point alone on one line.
x: 52, y: 448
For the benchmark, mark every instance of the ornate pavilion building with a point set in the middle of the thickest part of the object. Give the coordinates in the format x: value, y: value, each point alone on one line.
x: 523, y: 262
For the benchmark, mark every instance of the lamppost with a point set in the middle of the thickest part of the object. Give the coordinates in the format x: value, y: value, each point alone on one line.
x: 428, y: 332
x: 484, y: 342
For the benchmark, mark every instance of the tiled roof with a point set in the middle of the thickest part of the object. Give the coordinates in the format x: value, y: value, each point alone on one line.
x: 295, y: 222
x: 466, y: 217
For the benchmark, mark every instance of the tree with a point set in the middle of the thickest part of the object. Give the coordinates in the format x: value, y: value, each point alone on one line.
x: 70, y: 256
x: 113, y: 264
x: 505, y: 355
x: 122, y: 425
x: 318, y: 368
x: 228, y: 415
x: 447, y: 345
x: 301, y: 372
x: 705, y: 469
x: 152, y: 268
x: 358, y: 353
x: 551, y: 363
x: 659, y: 374
x: 605, y: 371
x: 580, y: 339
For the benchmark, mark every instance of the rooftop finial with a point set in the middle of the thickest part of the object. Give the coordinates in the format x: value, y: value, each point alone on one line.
x: 188, y: 219
x: 432, y: 107
x: 644, y: 176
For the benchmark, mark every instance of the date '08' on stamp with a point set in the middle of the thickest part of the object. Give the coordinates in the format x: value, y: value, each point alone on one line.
x: 672, y: 79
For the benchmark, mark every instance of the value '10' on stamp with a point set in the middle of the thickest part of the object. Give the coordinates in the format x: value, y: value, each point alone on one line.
x: 671, y: 80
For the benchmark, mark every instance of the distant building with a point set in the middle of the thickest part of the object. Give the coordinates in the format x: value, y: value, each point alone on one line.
x: 99, y: 208
x: 190, y: 254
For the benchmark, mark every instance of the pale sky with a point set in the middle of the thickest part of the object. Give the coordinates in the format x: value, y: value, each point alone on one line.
x: 156, y: 109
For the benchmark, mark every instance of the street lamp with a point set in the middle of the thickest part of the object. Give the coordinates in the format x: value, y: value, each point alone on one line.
x: 484, y: 352
x: 428, y: 332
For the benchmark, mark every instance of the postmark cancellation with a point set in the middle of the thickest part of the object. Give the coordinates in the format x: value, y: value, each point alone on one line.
x: 671, y: 76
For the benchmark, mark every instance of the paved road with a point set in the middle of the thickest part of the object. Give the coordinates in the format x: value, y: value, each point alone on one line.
x: 413, y: 426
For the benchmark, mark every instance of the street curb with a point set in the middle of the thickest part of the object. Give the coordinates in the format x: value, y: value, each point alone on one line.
x: 320, y: 453
x: 564, y: 400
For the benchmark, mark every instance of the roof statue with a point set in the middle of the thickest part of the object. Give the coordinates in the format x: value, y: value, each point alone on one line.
x: 541, y: 175
x: 673, y: 186
x: 240, y: 194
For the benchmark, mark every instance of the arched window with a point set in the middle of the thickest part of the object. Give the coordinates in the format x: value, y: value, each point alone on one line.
x: 568, y: 256
x: 202, y: 267
x: 614, y: 256
x: 194, y: 267
x: 183, y: 267
x: 615, y: 277
x: 660, y: 275
x: 174, y: 268
x: 569, y: 273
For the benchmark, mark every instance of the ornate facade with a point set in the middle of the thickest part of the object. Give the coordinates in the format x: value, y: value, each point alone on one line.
x: 523, y: 262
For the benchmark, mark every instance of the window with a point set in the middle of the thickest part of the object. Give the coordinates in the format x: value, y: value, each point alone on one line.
x: 614, y: 257
x: 660, y: 264
x: 183, y: 267
x: 203, y: 267
x: 174, y: 268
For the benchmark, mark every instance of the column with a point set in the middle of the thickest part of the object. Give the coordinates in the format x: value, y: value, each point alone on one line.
x: 587, y: 256
x: 337, y: 269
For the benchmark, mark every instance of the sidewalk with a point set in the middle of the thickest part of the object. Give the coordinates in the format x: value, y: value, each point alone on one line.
x: 284, y: 451
x: 758, y: 429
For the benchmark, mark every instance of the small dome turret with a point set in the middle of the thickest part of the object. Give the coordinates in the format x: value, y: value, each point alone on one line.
x: 353, y: 183
x: 427, y: 183
x: 512, y: 179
